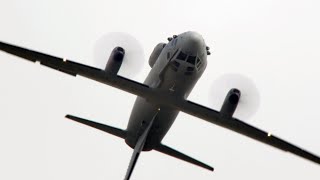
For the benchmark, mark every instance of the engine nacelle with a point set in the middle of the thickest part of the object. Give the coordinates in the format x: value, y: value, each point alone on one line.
x: 155, y: 53
x: 230, y: 103
x: 115, y: 60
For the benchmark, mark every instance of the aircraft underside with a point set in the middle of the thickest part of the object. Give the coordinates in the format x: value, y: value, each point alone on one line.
x: 176, y: 67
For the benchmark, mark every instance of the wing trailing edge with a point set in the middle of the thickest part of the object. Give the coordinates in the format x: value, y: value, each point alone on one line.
x: 174, y: 153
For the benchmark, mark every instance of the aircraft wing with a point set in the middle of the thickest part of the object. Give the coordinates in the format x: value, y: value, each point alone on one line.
x: 243, y: 128
x: 74, y: 69
x: 159, y: 97
x: 236, y: 125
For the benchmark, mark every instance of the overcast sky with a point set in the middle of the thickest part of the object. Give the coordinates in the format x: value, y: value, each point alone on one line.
x: 275, y: 43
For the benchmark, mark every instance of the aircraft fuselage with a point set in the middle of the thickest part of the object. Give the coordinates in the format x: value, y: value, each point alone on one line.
x: 178, y: 67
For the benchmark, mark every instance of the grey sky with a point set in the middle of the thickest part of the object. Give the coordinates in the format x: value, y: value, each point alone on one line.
x: 276, y: 43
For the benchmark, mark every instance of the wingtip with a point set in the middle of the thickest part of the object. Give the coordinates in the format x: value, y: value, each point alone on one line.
x: 68, y: 116
x: 209, y: 168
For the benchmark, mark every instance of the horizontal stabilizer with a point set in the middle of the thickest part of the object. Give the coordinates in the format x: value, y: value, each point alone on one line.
x: 111, y: 130
x: 171, y: 152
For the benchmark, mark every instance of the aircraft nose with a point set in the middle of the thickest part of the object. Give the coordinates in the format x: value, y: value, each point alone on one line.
x: 193, y: 43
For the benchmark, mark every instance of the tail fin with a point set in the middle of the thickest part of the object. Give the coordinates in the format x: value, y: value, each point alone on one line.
x: 138, y: 148
x: 111, y: 130
x: 171, y: 152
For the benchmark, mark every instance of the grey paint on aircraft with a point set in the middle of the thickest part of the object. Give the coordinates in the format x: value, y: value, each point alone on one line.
x: 171, y: 72
x: 169, y: 88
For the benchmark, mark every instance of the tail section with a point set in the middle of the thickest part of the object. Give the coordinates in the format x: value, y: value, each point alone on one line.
x: 140, y: 143
x: 138, y: 148
x: 122, y: 134
x: 171, y: 152
x: 111, y: 130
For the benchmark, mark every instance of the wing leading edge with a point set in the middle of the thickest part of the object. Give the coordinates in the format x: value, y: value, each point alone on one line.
x: 157, y: 96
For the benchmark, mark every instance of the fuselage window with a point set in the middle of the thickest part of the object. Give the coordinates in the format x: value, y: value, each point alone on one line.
x: 168, y: 55
x: 190, y: 68
x: 176, y: 64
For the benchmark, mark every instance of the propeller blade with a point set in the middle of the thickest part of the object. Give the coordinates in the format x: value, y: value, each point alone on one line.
x: 250, y: 98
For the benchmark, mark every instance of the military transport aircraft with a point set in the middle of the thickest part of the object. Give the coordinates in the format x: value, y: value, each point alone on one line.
x: 176, y: 67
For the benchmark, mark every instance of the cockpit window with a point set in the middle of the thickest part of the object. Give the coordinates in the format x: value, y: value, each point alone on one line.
x: 182, y: 56
x: 191, y: 59
x: 198, y: 60
x: 198, y: 63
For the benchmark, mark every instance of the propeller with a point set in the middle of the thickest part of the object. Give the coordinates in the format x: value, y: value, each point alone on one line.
x: 134, y: 55
x: 250, y: 98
